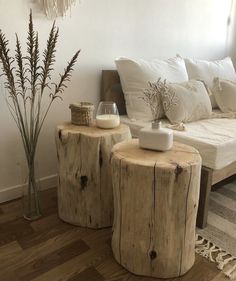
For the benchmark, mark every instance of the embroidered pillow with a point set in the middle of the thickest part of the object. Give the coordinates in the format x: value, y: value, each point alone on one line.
x: 152, y: 98
x: 186, y: 102
x: 135, y: 75
x: 208, y: 70
x: 225, y: 94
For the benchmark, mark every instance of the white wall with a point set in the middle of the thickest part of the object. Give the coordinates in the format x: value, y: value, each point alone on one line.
x: 232, y: 33
x: 104, y: 30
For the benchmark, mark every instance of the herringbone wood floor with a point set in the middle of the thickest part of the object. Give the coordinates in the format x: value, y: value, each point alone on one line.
x: 51, y: 250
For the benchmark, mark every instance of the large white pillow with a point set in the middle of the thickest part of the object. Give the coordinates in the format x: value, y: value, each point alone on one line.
x: 208, y: 70
x: 186, y: 102
x: 135, y: 75
x: 225, y: 94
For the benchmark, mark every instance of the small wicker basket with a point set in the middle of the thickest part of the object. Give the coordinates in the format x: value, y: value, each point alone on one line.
x: 82, y: 113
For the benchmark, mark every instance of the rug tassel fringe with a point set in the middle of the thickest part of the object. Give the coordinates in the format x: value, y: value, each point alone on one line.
x: 231, y: 273
x: 217, y: 255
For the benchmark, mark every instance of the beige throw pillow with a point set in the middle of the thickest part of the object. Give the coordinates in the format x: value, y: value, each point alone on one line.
x: 186, y: 102
x: 225, y: 94
x: 208, y: 70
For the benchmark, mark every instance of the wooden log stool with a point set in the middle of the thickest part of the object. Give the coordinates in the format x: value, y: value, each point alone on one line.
x: 84, y: 185
x: 155, y: 203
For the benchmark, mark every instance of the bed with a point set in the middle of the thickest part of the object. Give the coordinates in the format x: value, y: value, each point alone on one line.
x: 214, y: 138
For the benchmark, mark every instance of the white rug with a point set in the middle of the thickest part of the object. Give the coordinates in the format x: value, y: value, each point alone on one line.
x: 219, y: 243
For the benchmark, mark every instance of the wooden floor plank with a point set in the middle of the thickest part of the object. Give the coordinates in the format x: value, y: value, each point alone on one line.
x: 111, y: 270
x: 14, y: 209
x: 76, y: 265
x: 54, y: 259
x: 51, y: 250
x: 40, y: 250
x: 89, y: 274
x: 8, y: 276
x: 13, y: 230
x: 44, y: 233
x: 10, y: 249
x: 97, y: 237
x: 47, y: 222
x: 11, y: 212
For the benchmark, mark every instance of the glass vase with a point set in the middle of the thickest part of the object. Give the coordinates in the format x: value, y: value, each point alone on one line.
x: 107, y: 116
x: 31, y: 193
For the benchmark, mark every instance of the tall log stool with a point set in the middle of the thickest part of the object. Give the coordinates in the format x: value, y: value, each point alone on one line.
x: 156, y: 200
x: 84, y: 186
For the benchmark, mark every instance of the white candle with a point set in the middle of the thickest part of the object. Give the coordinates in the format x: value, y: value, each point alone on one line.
x: 108, y: 121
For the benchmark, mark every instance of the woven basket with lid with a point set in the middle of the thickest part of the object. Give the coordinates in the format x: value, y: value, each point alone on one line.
x: 82, y: 113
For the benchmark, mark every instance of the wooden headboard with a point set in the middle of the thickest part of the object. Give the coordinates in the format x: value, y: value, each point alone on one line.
x: 111, y: 89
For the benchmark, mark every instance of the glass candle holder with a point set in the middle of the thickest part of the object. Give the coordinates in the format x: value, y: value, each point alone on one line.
x: 107, y: 116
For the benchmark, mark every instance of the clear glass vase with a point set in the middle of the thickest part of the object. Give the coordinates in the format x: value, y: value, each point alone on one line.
x: 31, y: 193
x: 107, y: 116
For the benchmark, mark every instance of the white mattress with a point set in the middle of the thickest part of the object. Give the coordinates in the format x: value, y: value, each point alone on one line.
x: 215, y: 139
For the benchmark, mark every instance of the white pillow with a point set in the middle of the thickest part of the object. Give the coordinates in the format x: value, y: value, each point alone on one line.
x: 135, y: 75
x: 186, y: 102
x: 225, y: 94
x: 208, y: 70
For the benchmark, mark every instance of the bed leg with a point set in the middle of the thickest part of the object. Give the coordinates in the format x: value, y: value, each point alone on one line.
x: 205, y: 188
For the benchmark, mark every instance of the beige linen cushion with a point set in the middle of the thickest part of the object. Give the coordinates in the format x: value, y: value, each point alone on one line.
x: 186, y: 102
x: 208, y: 70
x: 225, y: 94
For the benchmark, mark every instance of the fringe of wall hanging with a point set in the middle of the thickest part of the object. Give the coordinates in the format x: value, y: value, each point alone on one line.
x: 56, y: 8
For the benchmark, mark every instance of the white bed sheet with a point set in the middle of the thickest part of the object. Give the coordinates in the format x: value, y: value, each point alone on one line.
x: 215, y: 139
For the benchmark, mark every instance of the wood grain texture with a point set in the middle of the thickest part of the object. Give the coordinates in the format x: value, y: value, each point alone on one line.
x: 96, y: 263
x: 84, y: 187
x: 156, y: 195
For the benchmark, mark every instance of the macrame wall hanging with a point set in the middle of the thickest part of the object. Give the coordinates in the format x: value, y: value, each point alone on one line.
x: 56, y: 8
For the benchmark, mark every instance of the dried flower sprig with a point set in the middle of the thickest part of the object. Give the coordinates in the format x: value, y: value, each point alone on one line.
x: 155, y: 98
x: 168, y: 97
x: 152, y: 98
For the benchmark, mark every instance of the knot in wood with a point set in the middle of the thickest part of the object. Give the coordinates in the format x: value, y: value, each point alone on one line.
x: 178, y: 171
x: 152, y: 254
x: 59, y: 135
x: 83, y: 181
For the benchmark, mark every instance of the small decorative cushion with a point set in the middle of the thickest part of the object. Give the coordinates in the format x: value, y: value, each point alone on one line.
x: 186, y: 102
x: 208, y: 70
x: 135, y: 75
x: 225, y: 94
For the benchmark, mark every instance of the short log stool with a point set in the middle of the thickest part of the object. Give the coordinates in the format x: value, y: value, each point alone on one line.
x: 84, y: 186
x: 156, y: 200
